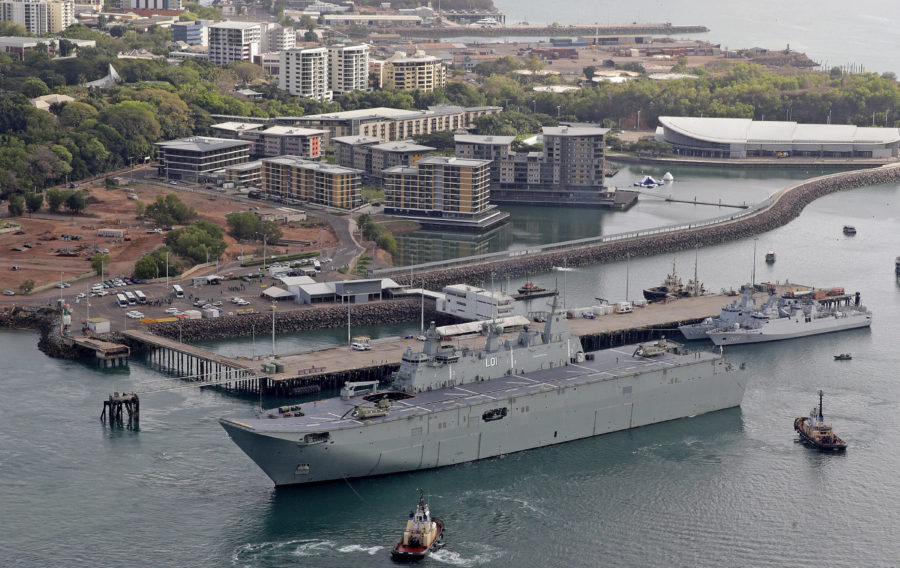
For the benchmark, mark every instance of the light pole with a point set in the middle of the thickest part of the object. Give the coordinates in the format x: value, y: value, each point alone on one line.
x: 558, y: 108
x: 638, y: 120
x: 273, y: 328
x: 753, y: 275
x: 422, y: 321
x: 60, y: 287
x: 167, y: 270
x: 348, y: 321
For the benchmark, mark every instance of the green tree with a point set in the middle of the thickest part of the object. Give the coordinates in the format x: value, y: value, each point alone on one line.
x: 33, y: 202
x: 16, y: 205
x: 76, y: 202
x: 139, y: 208
x: 74, y: 113
x: 34, y: 87
x: 27, y: 286
x: 98, y: 261
x: 196, y: 241
x: 56, y: 198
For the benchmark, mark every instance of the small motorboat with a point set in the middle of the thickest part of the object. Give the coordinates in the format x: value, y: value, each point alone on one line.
x: 668, y: 177
x: 770, y: 256
x: 843, y: 357
x: 849, y: 230
x: 423, y: 534
x: 816, y: 433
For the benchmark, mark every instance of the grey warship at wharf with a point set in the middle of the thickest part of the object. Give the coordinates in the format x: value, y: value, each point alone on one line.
x: 448, y: 406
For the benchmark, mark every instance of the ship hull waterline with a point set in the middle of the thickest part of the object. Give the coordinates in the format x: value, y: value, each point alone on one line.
x: 448, y: 437
x: 800, y: 329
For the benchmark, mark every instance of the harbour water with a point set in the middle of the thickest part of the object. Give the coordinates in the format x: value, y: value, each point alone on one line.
x: 732, y: 488
x: 867, y: 28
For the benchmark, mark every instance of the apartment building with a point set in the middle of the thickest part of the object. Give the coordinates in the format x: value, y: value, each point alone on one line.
x: 391, y: 124
x: 32, y: 14
x: 61, y: 15
x: 353, y: 151
x: 197, y: 156
x: 443, y: 192
x: 412, y: 72
x: 293, y: 178
x: 277, y: 38
x: 372, y: 156
x: 234, y: 41
x: 348, y: 68
x: 304, y: 73
x: 494, y: 148
x: 191, y: 33
x: 306, y: 143
x: 156, y: 5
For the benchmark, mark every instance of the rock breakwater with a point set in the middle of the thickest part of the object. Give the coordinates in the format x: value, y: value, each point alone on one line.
x: 786, y: 205
x: 320, y: 317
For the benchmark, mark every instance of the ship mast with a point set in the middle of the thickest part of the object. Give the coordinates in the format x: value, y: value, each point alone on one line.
x: 821, y: 417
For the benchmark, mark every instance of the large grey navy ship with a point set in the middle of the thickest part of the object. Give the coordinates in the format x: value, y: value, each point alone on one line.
x: 448, y: 405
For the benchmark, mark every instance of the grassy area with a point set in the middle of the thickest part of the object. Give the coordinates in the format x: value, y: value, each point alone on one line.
x: 362, y: 265
x: 371, y: 193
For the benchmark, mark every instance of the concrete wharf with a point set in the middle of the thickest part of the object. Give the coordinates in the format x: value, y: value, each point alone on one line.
x: 108, y: 354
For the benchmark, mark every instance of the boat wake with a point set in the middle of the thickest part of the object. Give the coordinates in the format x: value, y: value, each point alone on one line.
x: 454, y: 558
x: 278, y: 552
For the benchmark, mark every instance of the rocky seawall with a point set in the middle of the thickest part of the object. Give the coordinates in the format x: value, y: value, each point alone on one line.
x: 43, y: 320
x: 787, y: 205
x: 320, y: 317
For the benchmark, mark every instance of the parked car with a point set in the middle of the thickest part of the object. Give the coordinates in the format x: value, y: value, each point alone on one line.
x: 15, y: 267
x: 9, y: 293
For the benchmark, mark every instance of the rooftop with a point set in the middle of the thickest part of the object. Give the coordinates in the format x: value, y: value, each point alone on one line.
x: 449, y: 160
x: 356, y: 140
x: 574, y: 131
x: 202, y: 144
x: 402, y: 146
x: 237, y: 126
x: 234, y: 25
x: 479, y: 139
x: 745, y: 130
x: 293, y: 131
x: 298, y: 162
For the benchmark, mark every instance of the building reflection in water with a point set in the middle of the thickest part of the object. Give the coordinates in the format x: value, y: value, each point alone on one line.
x: 429, y: 246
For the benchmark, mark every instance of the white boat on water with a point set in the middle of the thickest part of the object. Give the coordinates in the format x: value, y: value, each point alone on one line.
x: 800, y: 319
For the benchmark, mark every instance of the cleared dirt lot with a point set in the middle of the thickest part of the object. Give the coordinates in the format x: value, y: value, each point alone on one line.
x: 40, y: 243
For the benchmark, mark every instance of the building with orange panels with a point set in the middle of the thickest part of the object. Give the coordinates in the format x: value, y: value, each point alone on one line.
x: 295, y: 179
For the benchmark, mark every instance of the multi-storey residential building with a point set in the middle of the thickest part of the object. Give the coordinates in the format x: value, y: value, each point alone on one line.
x: 306, y: 143
x: 493, y: 148
x: 303, y: 72
x: 192, y: 33
x: 291, y: 140
x: 473, y: 303
x: 391, y: 124
x: 194, y: 157
x: 353, y: 151
x: 233, y: 41
x: 575, y: 155
x: 372, y: 156
x: 442, y: 191
x: 297, y: 179
x: 348, y: 68
x: 417, y: 72
x: 34, y: 15
x: 61, y: 13
x: 278, y: 38
x: 155, y: 5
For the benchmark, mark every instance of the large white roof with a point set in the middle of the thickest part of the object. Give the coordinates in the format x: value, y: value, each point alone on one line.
x: 748, y: 131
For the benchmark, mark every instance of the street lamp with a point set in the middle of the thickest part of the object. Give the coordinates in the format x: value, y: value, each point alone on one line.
x: 558, y: 107
x: 753, y: 276
x: 638, y: 120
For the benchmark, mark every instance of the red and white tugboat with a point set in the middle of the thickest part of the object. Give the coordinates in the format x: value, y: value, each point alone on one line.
x: 423, y: 534
x: 814, y: 431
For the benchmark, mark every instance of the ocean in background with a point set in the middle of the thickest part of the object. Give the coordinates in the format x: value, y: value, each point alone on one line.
x: 832, y: 32
x: 731, y: 488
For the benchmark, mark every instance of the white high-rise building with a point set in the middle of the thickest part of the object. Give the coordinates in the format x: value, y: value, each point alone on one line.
x: 278, y: 38
x: 62, y: 14
x: 348, y: 68
x: 304, y: 73
x: 233, y: 41
x: 32, y: 14
x: 153, y: 4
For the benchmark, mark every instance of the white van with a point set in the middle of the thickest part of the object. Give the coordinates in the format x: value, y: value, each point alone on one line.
x: 624, y: 308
